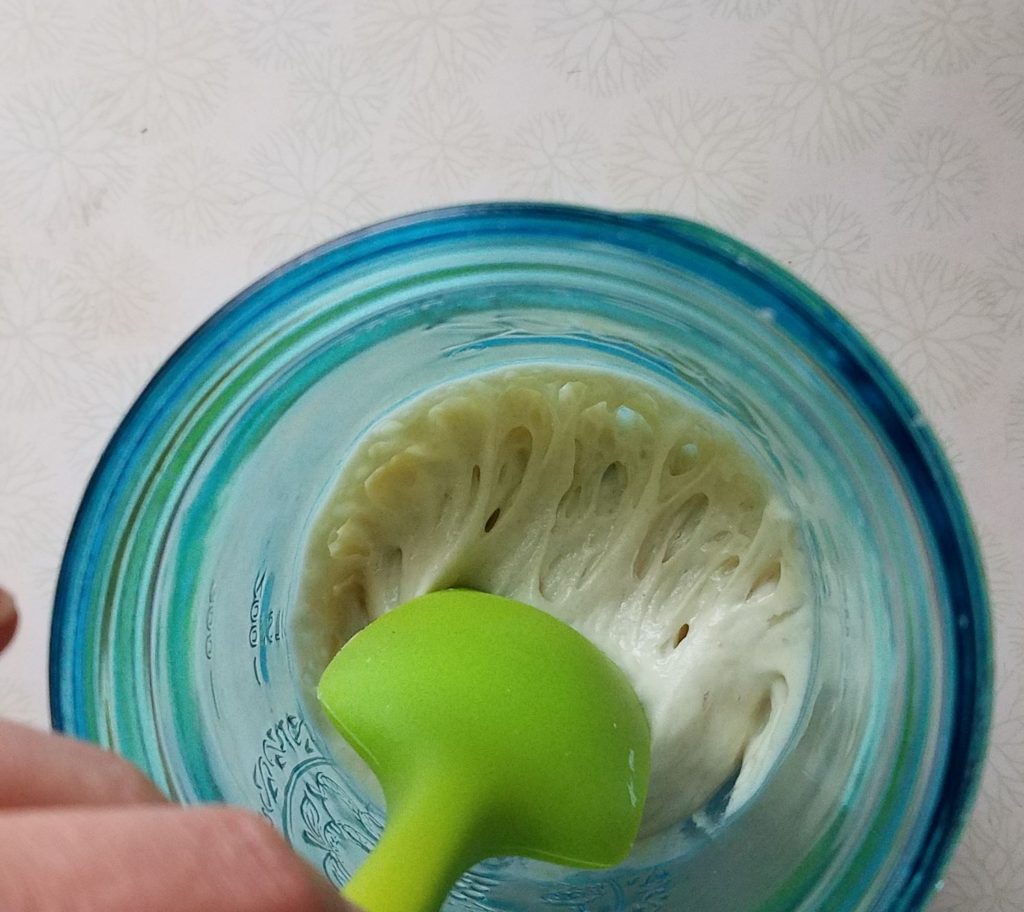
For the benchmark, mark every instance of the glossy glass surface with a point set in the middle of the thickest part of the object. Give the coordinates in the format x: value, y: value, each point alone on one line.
x: 171, y: 637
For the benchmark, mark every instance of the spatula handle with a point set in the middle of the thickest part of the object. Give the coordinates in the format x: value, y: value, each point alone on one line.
x: 427, y: 843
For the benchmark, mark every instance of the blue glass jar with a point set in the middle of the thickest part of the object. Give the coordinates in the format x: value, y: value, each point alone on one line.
x: 171, y: 637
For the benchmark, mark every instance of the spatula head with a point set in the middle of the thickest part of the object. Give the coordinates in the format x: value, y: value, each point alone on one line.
x: 508, y: 714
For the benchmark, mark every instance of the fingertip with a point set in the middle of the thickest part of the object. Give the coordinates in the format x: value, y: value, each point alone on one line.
x: 261, y: 858
x: 8, y: 618
x: 332, y: 899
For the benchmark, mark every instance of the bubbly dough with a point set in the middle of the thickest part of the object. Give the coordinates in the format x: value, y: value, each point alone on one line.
x: 612, y: 506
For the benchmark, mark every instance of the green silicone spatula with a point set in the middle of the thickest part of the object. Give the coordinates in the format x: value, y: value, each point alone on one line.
x: 494, y: 729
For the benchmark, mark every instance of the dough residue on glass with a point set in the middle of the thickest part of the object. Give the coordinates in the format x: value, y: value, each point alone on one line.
x: 610, y: 505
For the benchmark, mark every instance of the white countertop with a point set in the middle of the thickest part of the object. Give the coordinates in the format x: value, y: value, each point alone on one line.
x: 158, y: 155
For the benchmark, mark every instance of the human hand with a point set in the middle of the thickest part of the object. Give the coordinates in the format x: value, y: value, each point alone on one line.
x: 82, y: 830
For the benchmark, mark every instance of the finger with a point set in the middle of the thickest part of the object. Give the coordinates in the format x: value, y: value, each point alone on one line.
x: 39, y: 769
x: 8, y: 619
x: 159, y: 859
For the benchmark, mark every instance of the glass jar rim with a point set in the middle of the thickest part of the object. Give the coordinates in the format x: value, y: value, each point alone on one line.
x: 801, y: 313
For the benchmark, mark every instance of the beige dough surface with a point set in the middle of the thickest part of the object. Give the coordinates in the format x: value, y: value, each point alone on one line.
x: 611, y: 505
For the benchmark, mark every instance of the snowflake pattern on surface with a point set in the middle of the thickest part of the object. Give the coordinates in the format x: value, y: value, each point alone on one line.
x: 161, y: 63
x: 935, y: 177
x: 823, y: 239
x: 1015, y: 427
x: 934, y: 319
x: 113, y: 288
x: 194, y: 194
x: 830, y: 78
x: 1002, y: 786
x: 422, y: 44
x: 28, y: 492
x: 278, y: 32
x: 40, y: 337
x: 1005, y: 77
x: 32, y: 32
x: 744, y: 10
x: 1003, y: 582
x: 945, y: 36
x: 613, y: 45
x: 336, y: 94
x: 440, y: 144
x: 63, y: 158
x: 1006, y: 275
x: 301, y: 190
x: 697, y: 156
x: 554, y: 156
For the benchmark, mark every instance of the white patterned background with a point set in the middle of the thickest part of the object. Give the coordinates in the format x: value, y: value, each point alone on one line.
x: 158, y: 155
